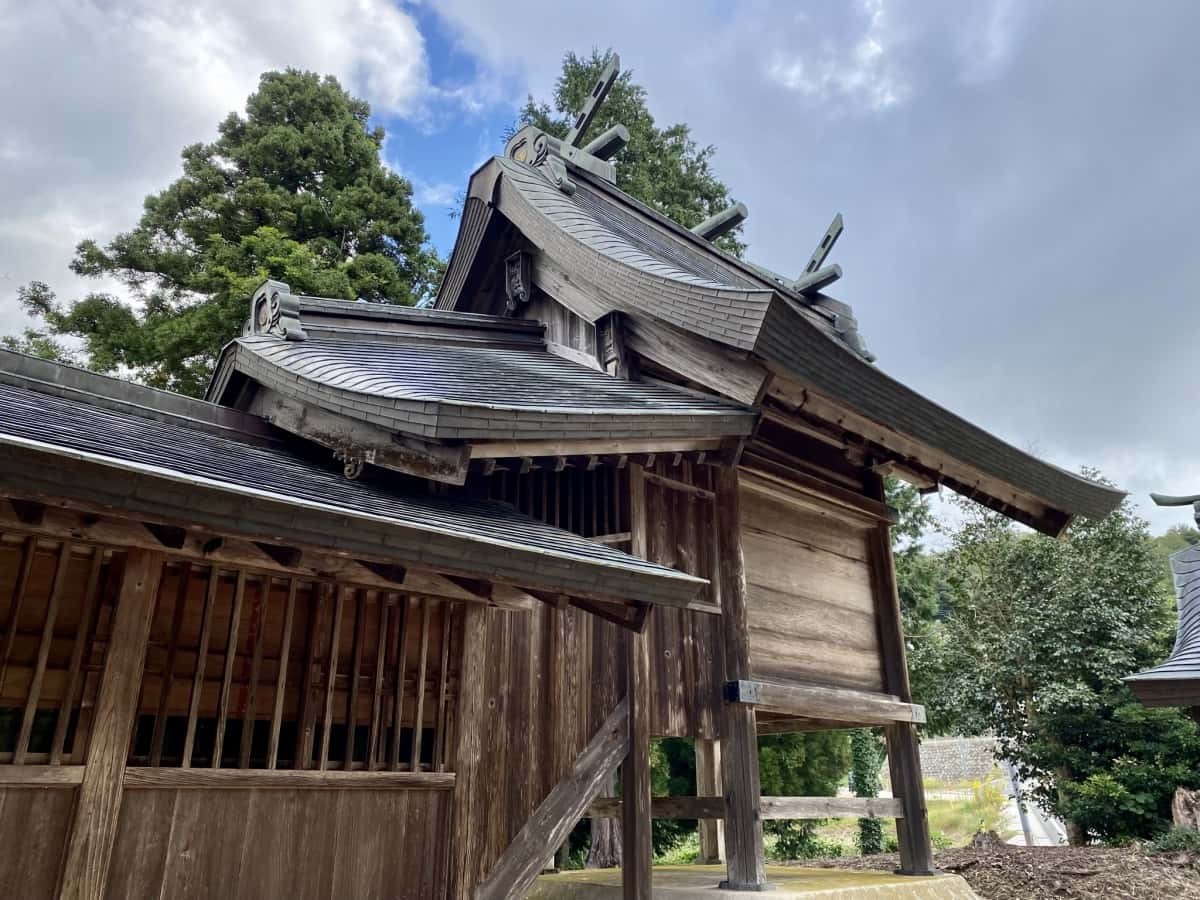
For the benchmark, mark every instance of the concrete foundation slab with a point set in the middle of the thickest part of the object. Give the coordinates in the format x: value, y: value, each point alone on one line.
x: 788, y: 883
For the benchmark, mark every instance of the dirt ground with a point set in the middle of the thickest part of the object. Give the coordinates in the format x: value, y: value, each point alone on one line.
x: 1031, y: 873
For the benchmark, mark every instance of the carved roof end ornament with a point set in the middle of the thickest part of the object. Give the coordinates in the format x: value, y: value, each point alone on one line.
x: 275, y: 310
x: 555, y: 157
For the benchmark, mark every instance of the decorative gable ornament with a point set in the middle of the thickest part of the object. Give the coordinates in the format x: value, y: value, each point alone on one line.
x: 275, y: 310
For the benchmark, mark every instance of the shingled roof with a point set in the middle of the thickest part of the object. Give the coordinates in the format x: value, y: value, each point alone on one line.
x: 596, y: 250
x: 71, y: 434
x: 1176, y: 681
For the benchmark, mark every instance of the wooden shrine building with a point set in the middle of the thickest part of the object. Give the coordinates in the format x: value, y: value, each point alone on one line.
x: 385, y: 615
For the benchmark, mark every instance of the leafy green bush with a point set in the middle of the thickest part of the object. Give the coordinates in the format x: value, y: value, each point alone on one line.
x: 1176, y: 840
x: 799, y: 840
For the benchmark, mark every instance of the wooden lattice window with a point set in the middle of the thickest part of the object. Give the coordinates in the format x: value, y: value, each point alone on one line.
x: 55, y: 606
x: 253, y: 670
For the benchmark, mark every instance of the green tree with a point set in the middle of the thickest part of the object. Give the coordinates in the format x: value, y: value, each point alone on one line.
x: 867, y: 754
x: 1039, y: 636
x: 812, y: 764
x: 293, y: 190
x: 662, y: 167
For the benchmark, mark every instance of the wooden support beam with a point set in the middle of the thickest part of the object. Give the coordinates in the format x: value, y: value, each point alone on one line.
x: 288, y: 557
x: 713, y: 807
x: 467, y: 813
x: 904, y: 758
x: 637, y: 849
x: 28, y: 511
x: 89, y: 847
x: 831, y: 704
x: 708, y: 784
x: 170, y: 536
x: 565, y: 805
x: 745, y: 864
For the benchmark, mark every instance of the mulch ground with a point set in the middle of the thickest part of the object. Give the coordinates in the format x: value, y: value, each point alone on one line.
x: 1001, y: 872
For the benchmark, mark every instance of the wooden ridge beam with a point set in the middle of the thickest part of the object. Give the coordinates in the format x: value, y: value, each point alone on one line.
x: 832, y: 704
x: 522, y: 861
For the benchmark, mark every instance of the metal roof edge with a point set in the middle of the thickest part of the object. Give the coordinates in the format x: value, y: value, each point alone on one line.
x: 74, y: 383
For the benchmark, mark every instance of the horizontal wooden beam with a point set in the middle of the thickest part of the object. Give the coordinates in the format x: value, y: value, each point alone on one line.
x: 833, y: 704
x: 769, y: 807
x: 590, y: 447
x: 41, y: 776
x: 285, y: 779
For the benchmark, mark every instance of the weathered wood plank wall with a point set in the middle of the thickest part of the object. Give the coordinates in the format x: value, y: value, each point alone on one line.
x: 318, y: 844
x: 811, y: 600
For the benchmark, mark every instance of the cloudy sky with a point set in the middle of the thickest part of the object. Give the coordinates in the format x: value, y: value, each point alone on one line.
x: 1020, y: 180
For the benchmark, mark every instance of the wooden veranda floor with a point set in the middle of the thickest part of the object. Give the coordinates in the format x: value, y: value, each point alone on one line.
x: 790, y: 883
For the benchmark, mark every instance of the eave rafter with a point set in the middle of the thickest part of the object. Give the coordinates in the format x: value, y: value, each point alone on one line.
x: 87, y: 524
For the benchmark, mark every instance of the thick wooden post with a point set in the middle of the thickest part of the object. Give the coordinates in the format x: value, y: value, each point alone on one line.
x: 94, y: 829
x: 637, y: 852
x: 708, y: 784
x: 468, y: 816
x: 745, y: 866
x: 904, y: 758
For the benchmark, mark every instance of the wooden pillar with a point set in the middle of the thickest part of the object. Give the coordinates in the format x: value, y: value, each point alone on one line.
x: 637, y: 852
x: 94, y: 829
x: 708, y: 784
x: 745, y: 865
x: 468, y: 815
x: 904, y: 758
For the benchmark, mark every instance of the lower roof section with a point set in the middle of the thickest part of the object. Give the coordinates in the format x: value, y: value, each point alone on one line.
x: 112, y: 456
x: 449, y: 392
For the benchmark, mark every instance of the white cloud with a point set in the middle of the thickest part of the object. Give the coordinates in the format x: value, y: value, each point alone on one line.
x: 100, y: 99
x: 858, y: 68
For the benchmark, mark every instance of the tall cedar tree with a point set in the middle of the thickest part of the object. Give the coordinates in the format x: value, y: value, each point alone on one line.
x: 662, y: 167
x: 1033, y: 646
x: 293, y: 190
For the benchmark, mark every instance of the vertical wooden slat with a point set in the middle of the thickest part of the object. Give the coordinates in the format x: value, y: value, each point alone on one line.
x: 89, y: 848
x: 418, y: 722
x: 83, y: 635
x: 259, y: 634
x: 20, y: 589
x: 317, y: 628
x: 39, y: 670
x: 360, y: 616
x: 374, y: 741
x: 404, y: 611
x: 168, y: 675
x: 235, y: 615
x: 637, y: 850
x: 285, y: 646
x: 331, y: 676
x: 745, y: 864
x: 210, y: 603
x: 439, y: 738
x: 708, y: 784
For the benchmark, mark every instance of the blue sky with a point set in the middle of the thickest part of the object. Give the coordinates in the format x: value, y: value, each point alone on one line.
x: 1019, y: 179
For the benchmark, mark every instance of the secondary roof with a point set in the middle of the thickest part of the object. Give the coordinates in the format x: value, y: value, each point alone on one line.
x: 69, y: 434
